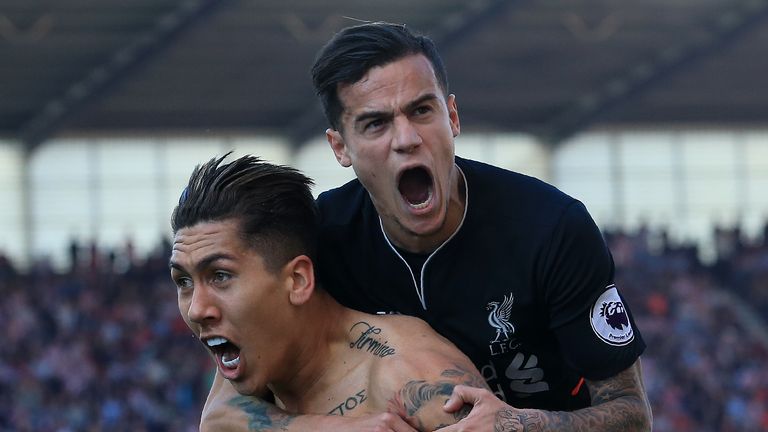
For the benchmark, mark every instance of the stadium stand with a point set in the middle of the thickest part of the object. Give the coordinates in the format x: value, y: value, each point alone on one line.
x: 102, y: 346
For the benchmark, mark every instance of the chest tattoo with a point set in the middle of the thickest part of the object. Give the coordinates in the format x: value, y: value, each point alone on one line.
x: 349, y: 404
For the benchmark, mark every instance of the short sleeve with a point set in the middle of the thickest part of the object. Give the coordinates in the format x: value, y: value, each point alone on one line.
x: 591, y: 320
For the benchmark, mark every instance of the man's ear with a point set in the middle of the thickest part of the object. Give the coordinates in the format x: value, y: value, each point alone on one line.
x: 337, y: 145
x: 453, y: 115
x: 300, y: 273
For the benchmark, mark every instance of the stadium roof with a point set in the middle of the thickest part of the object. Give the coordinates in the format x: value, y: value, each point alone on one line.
x: 548, y: 67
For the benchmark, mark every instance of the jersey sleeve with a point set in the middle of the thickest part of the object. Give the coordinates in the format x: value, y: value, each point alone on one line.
x: 590, y: 319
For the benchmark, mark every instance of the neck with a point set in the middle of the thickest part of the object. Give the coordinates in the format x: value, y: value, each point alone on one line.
x: 311, y: 369
x: 454, y: 215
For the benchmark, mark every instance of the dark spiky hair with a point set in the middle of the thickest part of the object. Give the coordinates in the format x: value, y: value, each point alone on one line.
x: 355, y: 50
x: 272, y: 204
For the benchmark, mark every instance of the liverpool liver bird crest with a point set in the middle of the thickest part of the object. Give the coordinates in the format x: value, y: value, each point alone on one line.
x: 499, y: 317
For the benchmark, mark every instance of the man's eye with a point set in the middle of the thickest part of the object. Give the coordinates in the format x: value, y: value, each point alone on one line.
x: 424, y: 109
x: 183, y: 282
x: 220, y: 276
x: 374, y: 125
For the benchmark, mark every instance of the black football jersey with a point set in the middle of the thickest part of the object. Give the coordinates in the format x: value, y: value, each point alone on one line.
x: 524, y: 287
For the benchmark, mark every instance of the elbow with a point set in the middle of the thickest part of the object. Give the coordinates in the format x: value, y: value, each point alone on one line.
x: 631, y: 413
x: 647, y: 417
x: 645, y: 422
x: 643, y: 416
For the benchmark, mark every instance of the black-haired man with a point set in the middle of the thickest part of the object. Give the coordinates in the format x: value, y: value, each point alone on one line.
x: 245, y: 238
x: 510, y: 269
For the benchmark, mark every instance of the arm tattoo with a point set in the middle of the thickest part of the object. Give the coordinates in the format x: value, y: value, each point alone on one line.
x: 508, y: 421
x: 262, y: 416
x: 618, y: 404
x: 416, y: 394
x: 470, y: 379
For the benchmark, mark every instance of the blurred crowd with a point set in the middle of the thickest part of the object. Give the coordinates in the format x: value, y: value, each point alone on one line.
x: 102, y: 346
x: 706, y: 365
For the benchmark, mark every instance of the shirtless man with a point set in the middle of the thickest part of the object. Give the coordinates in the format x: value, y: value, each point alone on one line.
x: 244, y: 244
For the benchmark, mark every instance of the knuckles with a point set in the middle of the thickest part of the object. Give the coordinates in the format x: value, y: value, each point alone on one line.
x: 387, y: 418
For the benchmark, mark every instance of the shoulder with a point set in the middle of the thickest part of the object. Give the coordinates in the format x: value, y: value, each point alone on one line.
x: 492, y: 174
x: 341, y: 203
x: 393, y: 335
x: 223, y: 420
x: 227, y: 410
x: 219, y: 412
x: 421, y: 355
x: 405, y: 324
x: 410, y: 332
x: 508, y: 189
x: 417, y: 381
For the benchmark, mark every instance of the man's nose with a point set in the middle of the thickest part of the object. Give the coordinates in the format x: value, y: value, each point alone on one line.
x: 406, y: 136
x: 203, y: 307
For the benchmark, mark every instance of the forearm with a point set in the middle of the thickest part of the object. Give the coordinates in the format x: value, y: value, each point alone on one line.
x: 618, y: 404
x: 623, y: 414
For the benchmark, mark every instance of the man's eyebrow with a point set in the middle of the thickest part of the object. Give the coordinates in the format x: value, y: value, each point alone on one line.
x: 420, y: 100
x: 388, y: 114
x: 205, y: 262
x: 372, y: 115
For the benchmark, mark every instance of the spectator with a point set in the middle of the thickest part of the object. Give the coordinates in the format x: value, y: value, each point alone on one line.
x: 103, y: 349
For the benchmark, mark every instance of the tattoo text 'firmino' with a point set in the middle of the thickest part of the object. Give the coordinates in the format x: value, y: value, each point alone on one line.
x: 367, y: 342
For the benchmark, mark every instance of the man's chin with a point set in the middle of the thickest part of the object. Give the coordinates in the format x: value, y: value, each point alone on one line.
x: 424, y: 225
x: 247, y: 388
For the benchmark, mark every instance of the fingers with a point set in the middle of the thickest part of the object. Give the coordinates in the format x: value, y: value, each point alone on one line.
x: 462, y: 395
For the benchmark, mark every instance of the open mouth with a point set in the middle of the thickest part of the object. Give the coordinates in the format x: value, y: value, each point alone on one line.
x: 227, y: 354
x: 416, y: 187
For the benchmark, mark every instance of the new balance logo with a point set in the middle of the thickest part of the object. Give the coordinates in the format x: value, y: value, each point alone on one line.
x: 525, y: 378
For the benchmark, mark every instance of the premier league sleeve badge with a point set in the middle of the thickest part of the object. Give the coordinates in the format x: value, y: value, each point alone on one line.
x: 610, y: 320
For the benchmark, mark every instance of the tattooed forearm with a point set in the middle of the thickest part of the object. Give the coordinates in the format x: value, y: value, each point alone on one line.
x: 349, y: 404
x: 508, y: 421
x: 261, y: 415
x: 618, y: 404
x: 617, y: 417
x: 626, y: 383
